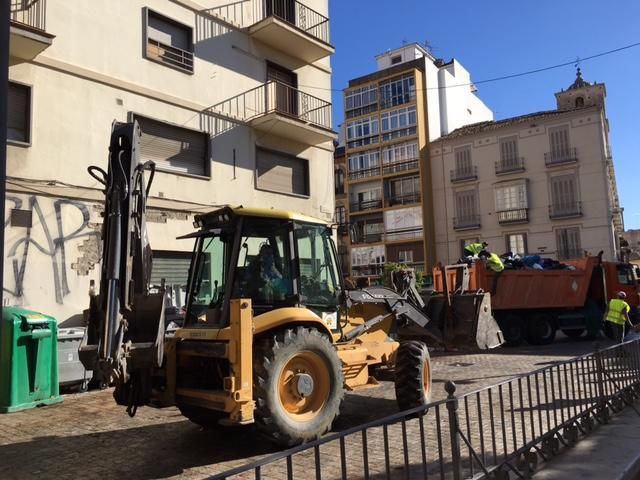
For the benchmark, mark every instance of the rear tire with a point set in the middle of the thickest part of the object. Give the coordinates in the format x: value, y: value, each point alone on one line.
x: 298, y: 385
x: 540, y: 329
x: 412, y: 375
x: 512, y: 329
x: 574, y: 333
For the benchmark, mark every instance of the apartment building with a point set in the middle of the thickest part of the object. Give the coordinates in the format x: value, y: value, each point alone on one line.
x: 541, y: 183
x: 233, y: 101
x: 390, y: 117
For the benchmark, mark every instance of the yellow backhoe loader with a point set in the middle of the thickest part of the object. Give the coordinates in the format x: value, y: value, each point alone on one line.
x: 271, y: 335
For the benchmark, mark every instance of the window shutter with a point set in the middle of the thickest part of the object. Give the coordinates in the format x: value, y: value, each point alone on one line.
x: 168, y: 33
x: 509, y: 151
x: 466, y: 204
x: 559, y: 142
x: 463, y: 160
x: 172, y: 266
x: 563, y: 192
x: 173, y: 148
x: 18, y: 113
x: 281, y: 173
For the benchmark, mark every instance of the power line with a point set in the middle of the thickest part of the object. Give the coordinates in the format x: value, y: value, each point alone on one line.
x: 509, y: 76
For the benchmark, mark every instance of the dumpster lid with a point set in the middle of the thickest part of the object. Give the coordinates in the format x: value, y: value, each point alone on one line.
x: 70, y: 333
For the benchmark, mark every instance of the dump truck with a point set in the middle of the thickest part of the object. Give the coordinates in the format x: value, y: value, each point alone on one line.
x: 270, y: 334
x: 533, y: 304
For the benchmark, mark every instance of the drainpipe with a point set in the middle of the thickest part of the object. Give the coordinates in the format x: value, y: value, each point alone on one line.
x: 4, y: 99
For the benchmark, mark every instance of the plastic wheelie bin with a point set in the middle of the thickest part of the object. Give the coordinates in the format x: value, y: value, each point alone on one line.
x: 28, y: 360
x: 71, y: 372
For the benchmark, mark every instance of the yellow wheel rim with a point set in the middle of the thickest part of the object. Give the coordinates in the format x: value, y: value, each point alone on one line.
x: 426, y: 379
x: 304, y: 386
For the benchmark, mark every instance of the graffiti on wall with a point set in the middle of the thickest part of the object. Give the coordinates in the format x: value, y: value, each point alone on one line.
x: 61, y: 231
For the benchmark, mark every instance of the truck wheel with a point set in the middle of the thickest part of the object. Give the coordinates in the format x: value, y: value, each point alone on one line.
x: 206, y: 418
x: 573, y: 333
x: 512, y: 330
x: 412, y: 375
x: 540, y: 329
x: 298, y: 385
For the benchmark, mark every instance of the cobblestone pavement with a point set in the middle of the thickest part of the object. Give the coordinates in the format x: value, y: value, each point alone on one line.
x: 89, y: 436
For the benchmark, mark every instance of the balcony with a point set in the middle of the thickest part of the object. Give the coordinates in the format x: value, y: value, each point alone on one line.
x: 278, y: 109
x: 565, y: 210
x: 367, y: 270
x: 467, y: 222
x: 510, y: 165
x: 403, y: 234
x: 516, y: 215
x: 396, y: 167
x: 464, y: 174
x: 293, y: 28
x: 365, y: 205
x: 403, y: 199
x: 28, y: 37
x: 561, y: 157
x: 364, y: 173
x: 570, y: 253
x: 171, y: 56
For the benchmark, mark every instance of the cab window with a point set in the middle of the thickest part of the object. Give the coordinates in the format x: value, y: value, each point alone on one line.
x: 625, y: 275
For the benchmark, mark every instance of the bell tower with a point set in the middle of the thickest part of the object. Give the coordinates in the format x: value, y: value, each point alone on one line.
x: 581, y: 94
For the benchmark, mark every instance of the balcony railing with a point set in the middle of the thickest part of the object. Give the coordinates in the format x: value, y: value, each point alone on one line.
x: 403, y: 234
x: 568, y: 155
x: 565, y: 210
x: 30, y: 13
x: 363, y: 270
x: 399, y: 166
x: 364, y: 173
x: 464, y: 174
x: 295, y: 14
x: 516, y: 215
x: 403, y: 199
x: 510, y: 165
x: 466, y: 222
x: 276, y: 97
x: 570, y: 253
x: 172, y: 56
x: 365, y: 205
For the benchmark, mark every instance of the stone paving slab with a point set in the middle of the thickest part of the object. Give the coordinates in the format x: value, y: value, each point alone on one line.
x: 89, y: 436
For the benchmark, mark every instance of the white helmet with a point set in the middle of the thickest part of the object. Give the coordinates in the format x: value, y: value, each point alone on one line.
x: 622, y: 295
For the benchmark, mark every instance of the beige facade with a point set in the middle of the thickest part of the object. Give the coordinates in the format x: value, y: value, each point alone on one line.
x: 541, y: 183
x: 386, y: 206
x: 221, y: 93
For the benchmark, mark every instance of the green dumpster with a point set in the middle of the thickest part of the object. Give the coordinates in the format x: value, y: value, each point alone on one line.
x: 28, y: 360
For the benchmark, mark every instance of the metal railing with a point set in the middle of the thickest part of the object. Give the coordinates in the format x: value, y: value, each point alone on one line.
x: 365, y: 205
x: 403, y: 234
x: 172, y: 56
x: 399, y: 166
x: 516, y: 215
x: 276, y: 97
x: 464, y: 174
x: 567, y: 155
x: 484, y: 434
x: 468, y: 221
x: 510, y: 165
x: 31, y: 13
x: 403, y: 199
x: 371, y: 237
x: 565, y: 210
x: 364, y: 270
x: 364, y: 173
x: 294, y: 13
x: 570, y: 253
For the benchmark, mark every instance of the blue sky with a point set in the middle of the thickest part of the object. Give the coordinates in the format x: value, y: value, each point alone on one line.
x: 492, y: 38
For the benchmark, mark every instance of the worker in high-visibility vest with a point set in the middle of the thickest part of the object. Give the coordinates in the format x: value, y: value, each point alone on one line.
x: 617, y: 314
x: 474, y: 249
x: 494, y: 263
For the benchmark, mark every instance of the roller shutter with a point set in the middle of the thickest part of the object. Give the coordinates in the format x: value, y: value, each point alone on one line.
x: 173, y: 148
x: 18, y: 113
x: 278, y: 172
x: 172, y: 266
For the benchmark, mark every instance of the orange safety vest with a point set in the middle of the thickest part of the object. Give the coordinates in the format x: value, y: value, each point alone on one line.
x: 617, y: 309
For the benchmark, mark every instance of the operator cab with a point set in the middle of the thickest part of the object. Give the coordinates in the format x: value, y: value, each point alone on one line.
x: 275, y: 258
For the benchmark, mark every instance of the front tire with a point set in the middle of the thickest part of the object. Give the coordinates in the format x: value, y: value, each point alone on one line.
x: 298, y: 385
x: 412, y: 375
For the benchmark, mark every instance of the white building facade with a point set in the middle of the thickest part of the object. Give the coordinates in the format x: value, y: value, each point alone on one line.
x: 541, y: 183
x: 218, y: 89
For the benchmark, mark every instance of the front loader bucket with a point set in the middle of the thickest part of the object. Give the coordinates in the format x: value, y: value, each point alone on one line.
x: 471, y: 323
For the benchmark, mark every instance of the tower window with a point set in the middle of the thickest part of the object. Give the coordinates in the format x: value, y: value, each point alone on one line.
x: 579, y: 102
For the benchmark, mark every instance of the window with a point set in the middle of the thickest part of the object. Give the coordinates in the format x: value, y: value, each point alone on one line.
x: 625, y: 275
x: 362, y: 256
x: 19, y: 113
x: 341, y: 215
x: 564, y: 195
x: 172, y: 148
x: 396, y: 60
x: 559, y: 143
x: 511, y: 197
x: 466, y: 204
x: 463, y: 161
x: 400, y: 152
x: 364, y: 160
x: 168, y: 42
x: 319, y: 276
x: 397, y: 119
x: 339, y: 181
x: 362, y: 132
x: 579, y: 102
x: 281, y: 173
x: 398, y: 91
x: 516, y: 243
x: 509, y: 152
x: 173, y: 268
x: 401, y: 191
x: 405, y: 256
x: 361, y: 101
x: 568, y: 243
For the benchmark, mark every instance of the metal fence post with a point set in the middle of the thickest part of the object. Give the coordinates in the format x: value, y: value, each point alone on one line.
x: 454, y: 427
x: 602, y: 401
